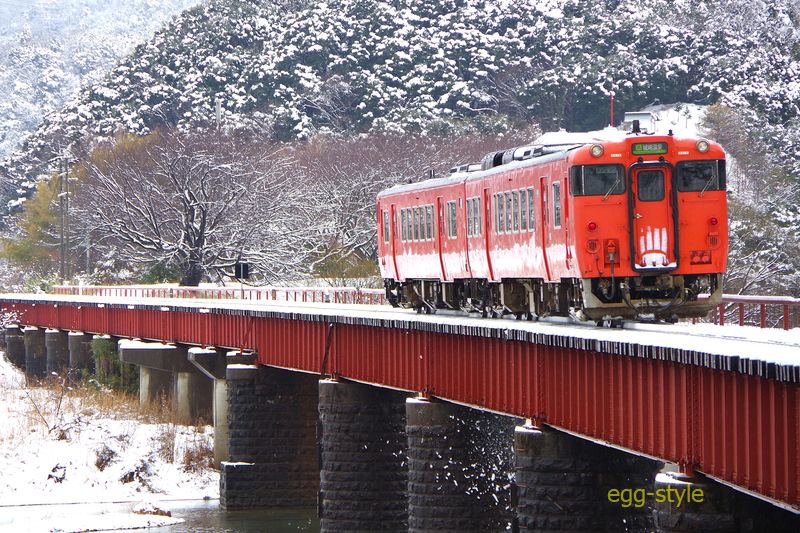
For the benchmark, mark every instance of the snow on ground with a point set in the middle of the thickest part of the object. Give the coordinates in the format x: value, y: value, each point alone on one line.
x: 58, y: 449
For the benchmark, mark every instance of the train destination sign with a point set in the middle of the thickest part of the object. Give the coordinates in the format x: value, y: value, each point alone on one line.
x: 649, y: 148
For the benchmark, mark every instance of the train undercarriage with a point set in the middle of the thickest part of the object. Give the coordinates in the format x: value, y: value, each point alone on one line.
x: 648, y: 297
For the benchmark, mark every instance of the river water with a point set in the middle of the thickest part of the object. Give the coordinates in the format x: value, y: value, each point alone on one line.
x: 199, y: 517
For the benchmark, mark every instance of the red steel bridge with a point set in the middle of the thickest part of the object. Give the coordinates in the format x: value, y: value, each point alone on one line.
x: 724, y: 401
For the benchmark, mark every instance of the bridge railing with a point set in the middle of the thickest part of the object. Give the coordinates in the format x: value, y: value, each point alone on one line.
x: 761, y: 311
x: 342, y: 295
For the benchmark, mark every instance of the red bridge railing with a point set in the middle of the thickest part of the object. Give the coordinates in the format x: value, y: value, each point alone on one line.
x: 342, y: 295
x: 762, y: 311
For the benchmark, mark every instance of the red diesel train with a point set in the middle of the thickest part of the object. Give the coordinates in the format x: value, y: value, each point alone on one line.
x: 634, y: 227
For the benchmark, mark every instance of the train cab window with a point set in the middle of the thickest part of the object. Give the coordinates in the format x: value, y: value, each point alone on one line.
x: 557, y: 205
x: 429, y: 221
x: 452, y: 229
x: 509, y: 213
x: 597, y: 180
x: 531, y: 218
x: 476, y: 217
x: 385, y: 226
x: 523, y: 210
x: 650, y: 185
x: 699, y: 176
x: 515, y: 216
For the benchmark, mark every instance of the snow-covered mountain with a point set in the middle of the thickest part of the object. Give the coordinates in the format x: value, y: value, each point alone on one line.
x: 293, y: 69
x: 50, y: 49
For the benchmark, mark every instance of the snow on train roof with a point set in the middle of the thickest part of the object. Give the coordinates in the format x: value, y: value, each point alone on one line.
x: 556, y: 144
x: 462, y: 177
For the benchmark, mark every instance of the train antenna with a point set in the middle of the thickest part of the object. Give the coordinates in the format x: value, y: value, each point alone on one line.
x: 611, y: 115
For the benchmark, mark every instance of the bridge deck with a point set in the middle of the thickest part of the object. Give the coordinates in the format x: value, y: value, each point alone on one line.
x: 725, y: 401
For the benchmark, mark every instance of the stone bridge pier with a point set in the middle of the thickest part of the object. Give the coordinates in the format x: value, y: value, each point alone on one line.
x: 387, y: 462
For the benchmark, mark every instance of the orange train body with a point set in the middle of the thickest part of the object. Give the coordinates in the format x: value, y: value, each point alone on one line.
x: 633, y: 227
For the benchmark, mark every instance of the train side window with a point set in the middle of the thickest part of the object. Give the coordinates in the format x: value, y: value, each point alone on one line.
x: 469, y: 217
x: 508, y: 212
x: 452, y: 230
x: 416, y: 223
x: 403, y: 231
x: 523, y: 210
x: 410, y: 224
x: 429, y: 221
x: 515, y: 216
x: 385, y: 226
x: 531, y: 218
x: 557, y: 204
x: 501, y: 217
x: 495, y: 220
x: 476, y: 216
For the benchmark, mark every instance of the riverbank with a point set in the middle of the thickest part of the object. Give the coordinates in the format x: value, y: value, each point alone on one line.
x: 83, y: 444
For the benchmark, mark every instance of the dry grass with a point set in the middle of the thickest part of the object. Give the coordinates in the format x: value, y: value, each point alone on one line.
x: 60, y: 410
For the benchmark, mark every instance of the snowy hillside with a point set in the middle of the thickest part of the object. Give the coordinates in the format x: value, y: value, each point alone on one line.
x: 50, y: 49
x: 292, y: 70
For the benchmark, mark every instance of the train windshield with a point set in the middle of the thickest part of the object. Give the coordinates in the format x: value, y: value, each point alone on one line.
x: 699, y: 176
x: 597, y: 180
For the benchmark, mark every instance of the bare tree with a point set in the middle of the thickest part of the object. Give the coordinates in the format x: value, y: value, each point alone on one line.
x: 196, y: 203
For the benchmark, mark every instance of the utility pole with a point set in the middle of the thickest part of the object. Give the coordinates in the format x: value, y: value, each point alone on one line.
x: 63, y: 201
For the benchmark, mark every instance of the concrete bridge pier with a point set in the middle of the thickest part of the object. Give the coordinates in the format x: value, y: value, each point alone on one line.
x: 363, y: 473
x: 213, y: 363
x: 15, y: 345
x: 272, y: 423
x: 80, y: 353
x: 165, y: 373
x: 567, y: 483
x: 35, y: 352
x: 57, y: 348
x: 459, y: 464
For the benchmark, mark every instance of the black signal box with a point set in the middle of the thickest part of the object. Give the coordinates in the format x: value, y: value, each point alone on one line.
x: 241, y: 270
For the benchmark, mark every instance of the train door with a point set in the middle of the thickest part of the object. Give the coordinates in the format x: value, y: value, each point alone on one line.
x: 440, y: 235
x: 544, y: 223
x: 652, y: 219
x: 394, y: 236
x: 467, y: 231
x: 487, y: 229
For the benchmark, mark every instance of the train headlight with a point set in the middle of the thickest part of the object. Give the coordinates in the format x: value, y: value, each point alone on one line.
x: 702, y: 146
x: 597, y: 150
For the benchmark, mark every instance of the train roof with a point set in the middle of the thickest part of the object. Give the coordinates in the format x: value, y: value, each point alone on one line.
x: 463, y: 177
x: 549, y: 147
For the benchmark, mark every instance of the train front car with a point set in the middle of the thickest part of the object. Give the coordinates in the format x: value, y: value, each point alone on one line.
x: 649, y: 226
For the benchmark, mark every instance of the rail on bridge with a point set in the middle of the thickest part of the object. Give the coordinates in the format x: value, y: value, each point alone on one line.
x: 744, y: 310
